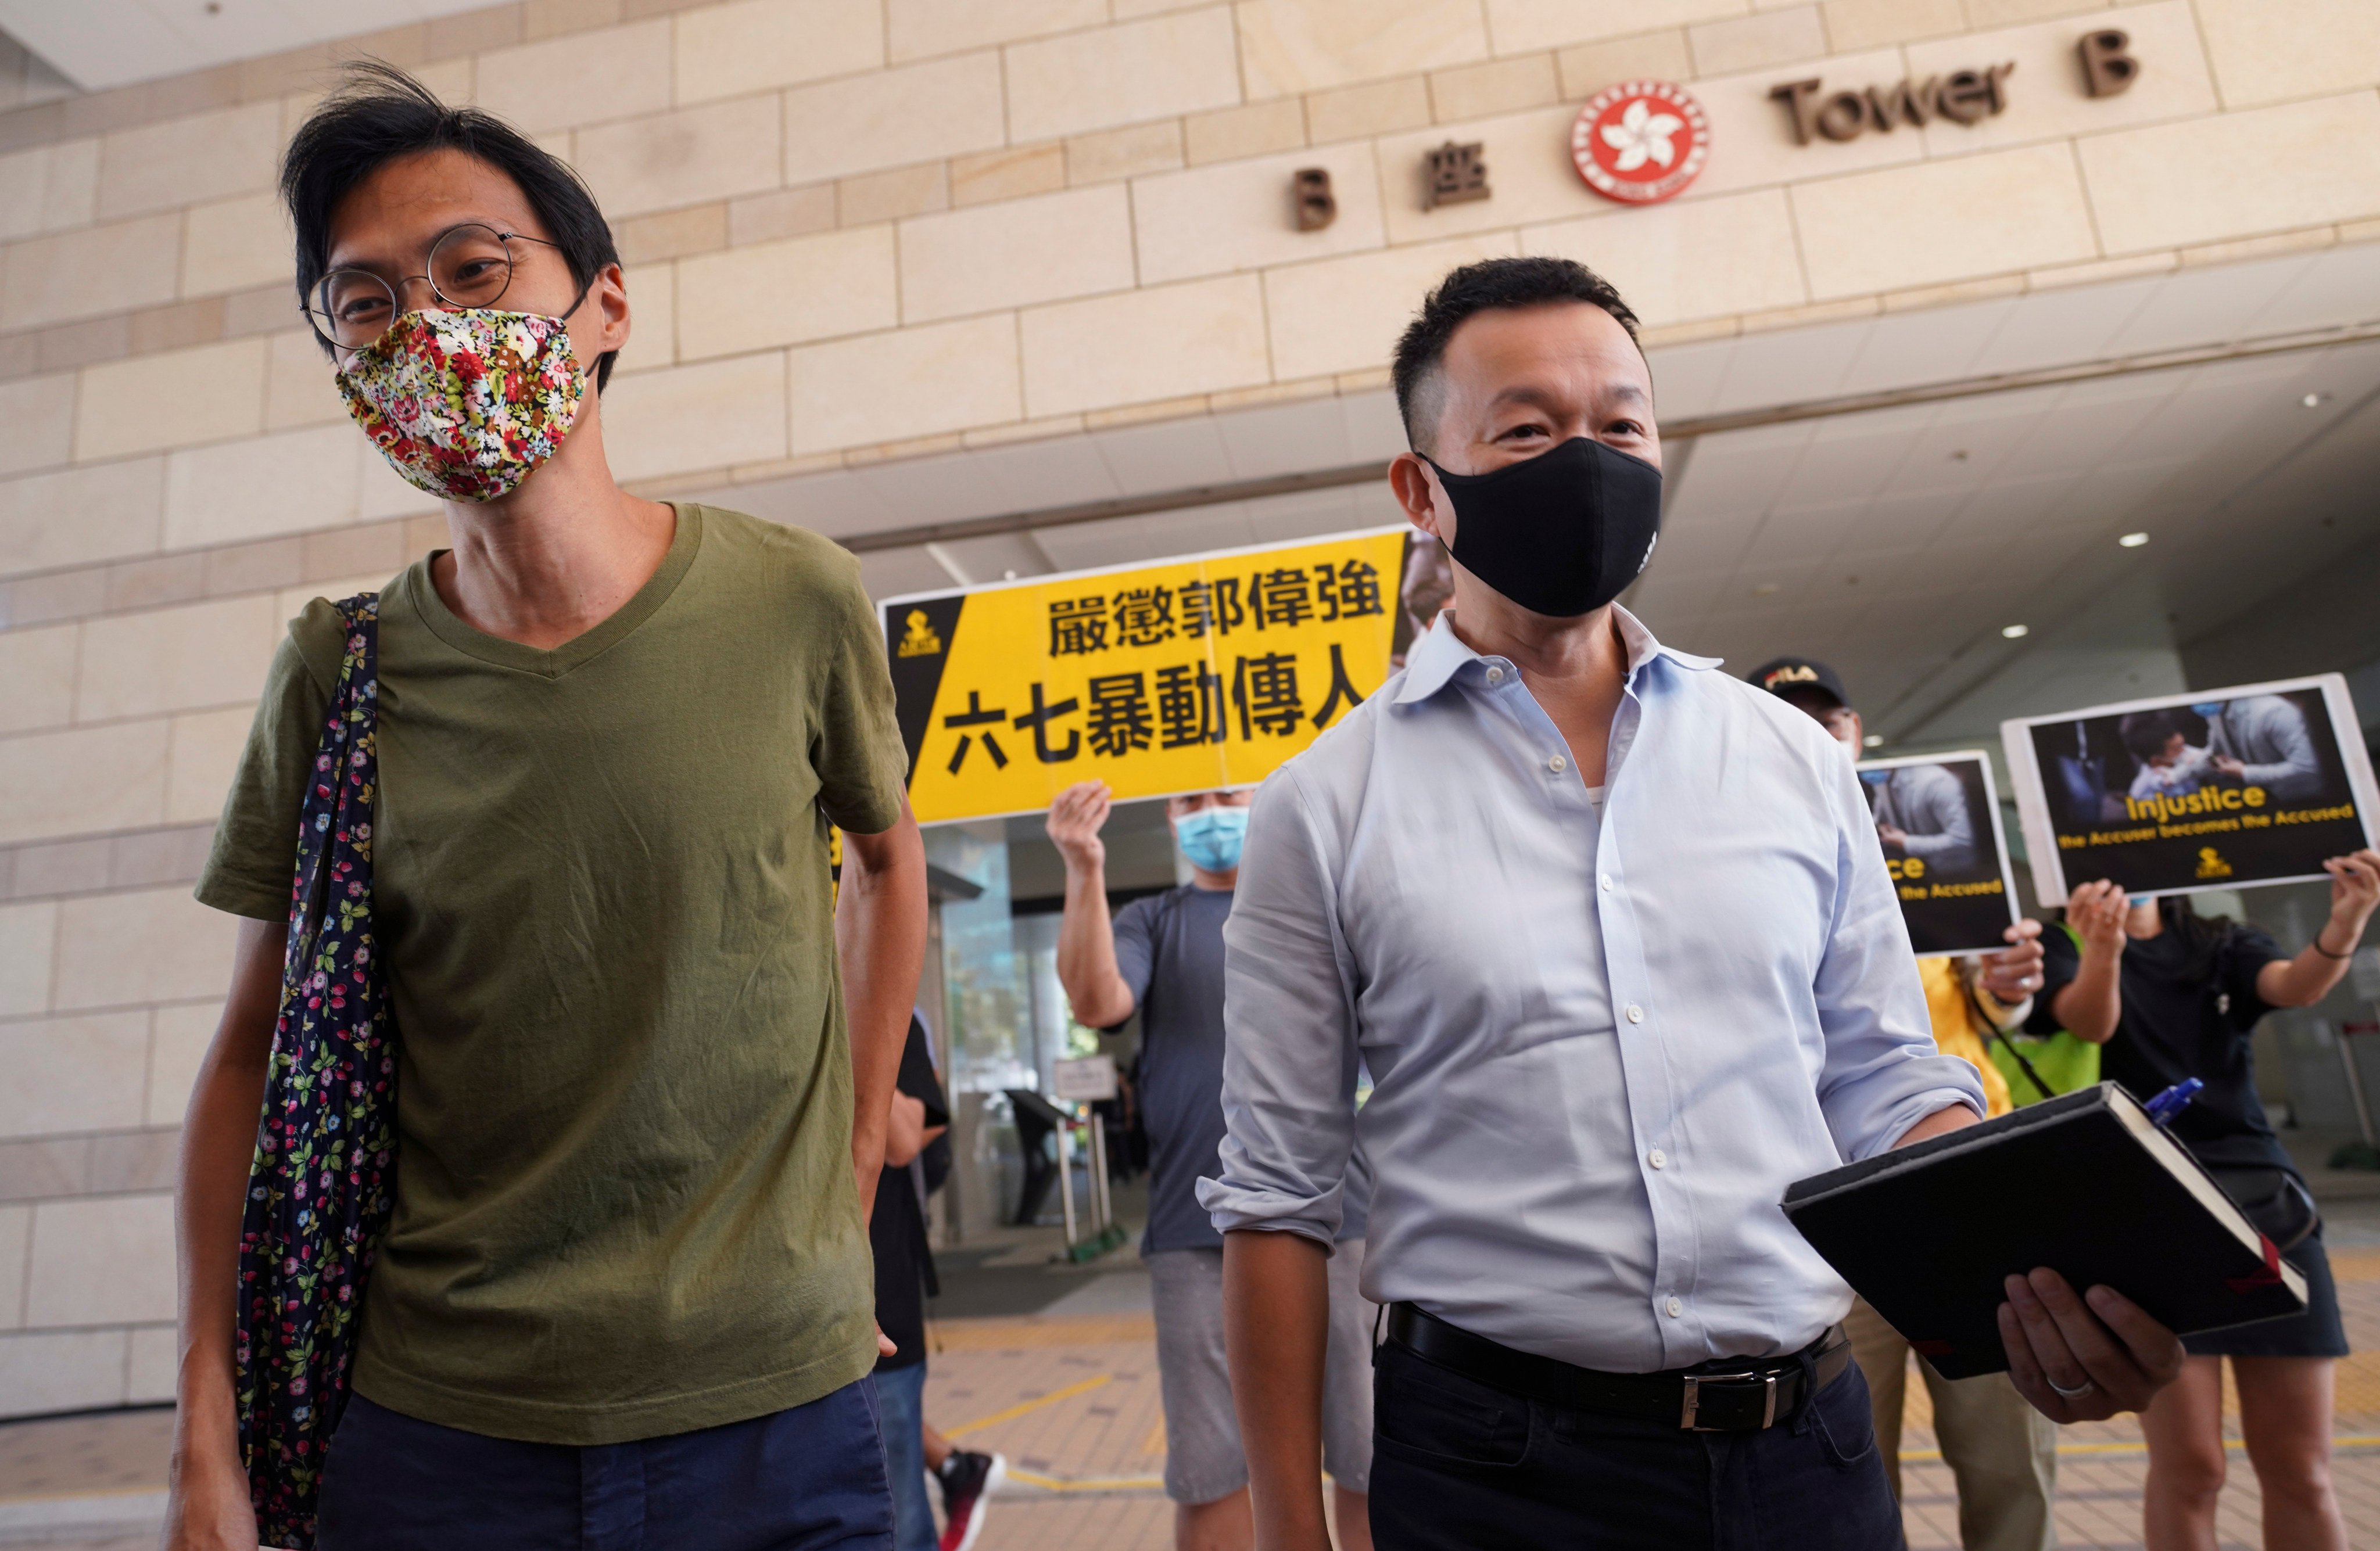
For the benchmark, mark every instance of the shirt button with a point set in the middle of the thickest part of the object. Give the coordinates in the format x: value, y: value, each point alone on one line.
x: 1635, y: 1013
x: 1495, y: 676
x: 1606, y: 883
x: 1557, y: 764
x: 1674, y: 1308
x: 1657, y: 1158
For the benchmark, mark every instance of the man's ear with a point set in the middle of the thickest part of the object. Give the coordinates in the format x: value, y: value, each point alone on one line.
x: 1416, y: 488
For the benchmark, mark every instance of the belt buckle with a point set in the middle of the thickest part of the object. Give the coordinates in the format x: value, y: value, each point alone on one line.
x: 1687, y: 1421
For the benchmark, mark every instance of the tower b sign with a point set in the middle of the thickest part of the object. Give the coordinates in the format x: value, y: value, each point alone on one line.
x: 1641, y: 141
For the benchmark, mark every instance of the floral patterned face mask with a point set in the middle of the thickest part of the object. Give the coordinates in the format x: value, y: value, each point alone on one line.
x: 467, y: 402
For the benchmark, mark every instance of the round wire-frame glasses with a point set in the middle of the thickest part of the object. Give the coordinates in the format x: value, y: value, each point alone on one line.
x: 470, y: 265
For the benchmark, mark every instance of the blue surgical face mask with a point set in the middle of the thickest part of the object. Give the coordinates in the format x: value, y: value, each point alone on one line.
x: 1211, y: 837
x: 2209, y: 709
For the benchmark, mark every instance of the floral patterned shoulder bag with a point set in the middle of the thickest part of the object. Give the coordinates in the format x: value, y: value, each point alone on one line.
x: 324, y: 1175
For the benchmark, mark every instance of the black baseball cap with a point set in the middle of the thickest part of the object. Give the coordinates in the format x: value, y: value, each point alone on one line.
x: 1788, y: 673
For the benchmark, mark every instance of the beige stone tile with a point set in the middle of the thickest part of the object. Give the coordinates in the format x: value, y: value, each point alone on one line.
x: 1516, y: 26
x: 1132, y: 10
x: 2046, y: 94
x: 103, y: 1260
x: 1240, y: 215
x: 183, y: 161
x: 920, y: 381
x: 16, y: 1239
x: 551, y: 18
x: 1376, y: 108
x: 708, y: 415
x: 1529, y: 170
x: 579, y: 78
x: 1757, y: 131
x: 1024, y: 250
x: 36, y: 422
x: 1344, y: 314
x: 177, y: 327
x: 152, y: 1365
x: 1688, y: 259
x: 1200, y: 338
x: 673, y: 234
x: 236, y: 245
x: 1228, y: 134
x: 1289, y: 46
x: 787, y: 293
x: 1180, y: 61
x: 2000, y: 13
x: 168, y: 659
x: 894, y: 196
x: 1587, y: 68
x: 84, y: 273
x: 1502, y: 86
x: 755, y: 45
x: 1975, y: 215
x: 284, y: 482
x: 204, y: 746
x: 67, y: 1074
x: 653, y: 318
x: 380, y: 492
x: 149, y: 946
x: 917, y: 113
x: 28, y: 935
x: 81, y: 782
x: 2265, y: 52
x: 37, y: 675
x: 687, y: 157
x: 1007, y: 173
x: 1126, y: 152
x: 2264, y: 169
x: 1869, y: 23
x: 300, y: 388
x: 48, y: 189
x: 46, y: 1371
x: 1757, y: 41
x: 117, y: 510
x: 171, y: 400
x: 921, y: 27
x: 180, y: 1037
x: 790, y: 212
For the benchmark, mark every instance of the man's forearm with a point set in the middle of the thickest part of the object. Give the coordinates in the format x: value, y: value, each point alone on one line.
x: 1276, y: 1327
x: 879, y: 930
x: 1086, y: 959
x: 2089, y: 1005
x: 2306, y: 979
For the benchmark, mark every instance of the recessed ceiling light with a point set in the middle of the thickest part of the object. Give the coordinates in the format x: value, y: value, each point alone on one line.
x: 2015, y: 631
x: 2133, y: 540
x: 1875, y: 740
x: 2314, y: 401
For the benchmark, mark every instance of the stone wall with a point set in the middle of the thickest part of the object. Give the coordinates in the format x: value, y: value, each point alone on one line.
x: 868, y: 229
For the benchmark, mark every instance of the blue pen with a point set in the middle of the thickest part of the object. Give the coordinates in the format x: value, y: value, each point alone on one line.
x: 2167, y: 1105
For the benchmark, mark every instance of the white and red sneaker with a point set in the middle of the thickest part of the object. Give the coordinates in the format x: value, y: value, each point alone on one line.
x: 966, y: 1480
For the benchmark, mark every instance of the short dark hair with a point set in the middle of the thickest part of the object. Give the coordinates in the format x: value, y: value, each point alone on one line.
x: 379, y: 115
x: 1475, y: 288
x: 2145, y: 733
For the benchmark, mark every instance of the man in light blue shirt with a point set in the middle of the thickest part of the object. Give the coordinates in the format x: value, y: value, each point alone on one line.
x: 1615, y: 936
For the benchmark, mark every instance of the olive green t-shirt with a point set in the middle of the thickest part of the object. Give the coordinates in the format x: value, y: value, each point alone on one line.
x: 625, y: 1206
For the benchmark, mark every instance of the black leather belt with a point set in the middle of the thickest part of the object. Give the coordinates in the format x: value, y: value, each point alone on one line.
x: 1728, y: 1396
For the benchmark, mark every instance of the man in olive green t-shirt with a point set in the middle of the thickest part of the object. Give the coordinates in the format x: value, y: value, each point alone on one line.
x: 627, y: 1280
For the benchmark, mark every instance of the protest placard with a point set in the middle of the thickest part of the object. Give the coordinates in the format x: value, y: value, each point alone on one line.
x: 1188, y: 676
x: 1938, y: 817
x: 2209, y: 789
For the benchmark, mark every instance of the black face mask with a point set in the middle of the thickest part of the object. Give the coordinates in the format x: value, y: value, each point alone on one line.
x: 1562, y: 534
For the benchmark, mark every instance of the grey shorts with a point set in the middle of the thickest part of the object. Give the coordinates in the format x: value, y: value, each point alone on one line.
x: 1202, y: 1433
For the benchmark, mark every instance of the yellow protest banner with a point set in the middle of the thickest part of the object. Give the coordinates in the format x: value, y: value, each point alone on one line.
x: 1181, y: 676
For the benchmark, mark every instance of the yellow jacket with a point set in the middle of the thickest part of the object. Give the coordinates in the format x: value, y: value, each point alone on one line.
x: 1960, y: 1031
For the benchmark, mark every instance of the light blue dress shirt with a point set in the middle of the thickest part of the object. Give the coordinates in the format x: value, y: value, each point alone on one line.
x: 1605, y: 1029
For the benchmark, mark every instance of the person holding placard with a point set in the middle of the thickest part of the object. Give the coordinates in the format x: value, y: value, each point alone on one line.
x: 2003, y: 1453
x: 2172, y: 995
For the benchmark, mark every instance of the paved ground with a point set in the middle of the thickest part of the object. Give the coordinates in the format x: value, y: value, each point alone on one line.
x: 1057, y: 1372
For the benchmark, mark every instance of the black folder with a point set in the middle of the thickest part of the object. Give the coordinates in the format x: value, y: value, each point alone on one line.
x: 2087, y: 1185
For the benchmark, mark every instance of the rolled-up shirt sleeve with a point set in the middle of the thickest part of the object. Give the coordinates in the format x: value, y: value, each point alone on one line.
x: 1882, y: 1074
x: 1289, y: 1025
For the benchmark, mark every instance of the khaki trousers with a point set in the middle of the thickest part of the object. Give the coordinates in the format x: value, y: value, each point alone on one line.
x: 2003, y: 1452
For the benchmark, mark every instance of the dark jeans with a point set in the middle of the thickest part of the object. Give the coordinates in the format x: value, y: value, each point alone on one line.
x: 1459, y: 1464
x: 811, y: 1476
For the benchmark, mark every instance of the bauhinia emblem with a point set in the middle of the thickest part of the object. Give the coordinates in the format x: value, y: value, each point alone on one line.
x: 1641, y: 141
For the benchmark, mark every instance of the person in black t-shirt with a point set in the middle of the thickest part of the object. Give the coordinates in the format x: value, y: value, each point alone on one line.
x: 2173, y: 995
